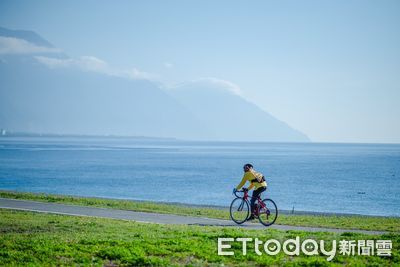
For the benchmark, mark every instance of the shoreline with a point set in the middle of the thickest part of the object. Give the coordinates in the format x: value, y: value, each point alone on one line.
x: 205, y: 206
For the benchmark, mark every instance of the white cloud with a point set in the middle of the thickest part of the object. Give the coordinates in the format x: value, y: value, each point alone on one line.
x: 216, y: 83
x: 85, y: 63
x: 138, y: 75
x: 11, y: 45
x: 53, y: 62
x: 90, y: 63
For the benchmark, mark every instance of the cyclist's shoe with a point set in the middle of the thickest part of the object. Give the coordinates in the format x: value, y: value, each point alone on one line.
x: 252, y: 217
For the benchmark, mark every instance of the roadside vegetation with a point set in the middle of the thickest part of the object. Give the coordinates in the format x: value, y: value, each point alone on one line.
x: 37, y: 239
x: 391, y: 224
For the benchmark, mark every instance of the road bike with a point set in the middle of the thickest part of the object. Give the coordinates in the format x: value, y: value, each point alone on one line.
x: 266, y: 209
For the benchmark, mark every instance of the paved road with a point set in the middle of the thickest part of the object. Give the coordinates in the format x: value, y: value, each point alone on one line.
x: 45, y: 207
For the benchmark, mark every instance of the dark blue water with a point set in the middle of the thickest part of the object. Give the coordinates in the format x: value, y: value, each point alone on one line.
x: 344, y: 178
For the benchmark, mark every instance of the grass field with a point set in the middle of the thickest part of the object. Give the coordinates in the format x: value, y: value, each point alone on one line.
x: 345, y: 222
x: 37, y: 239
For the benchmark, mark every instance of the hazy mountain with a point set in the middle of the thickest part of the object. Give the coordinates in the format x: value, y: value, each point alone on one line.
x: 41, y: 98
x: 230, y: 116
x: 29, y: 36
x: 36, y: 98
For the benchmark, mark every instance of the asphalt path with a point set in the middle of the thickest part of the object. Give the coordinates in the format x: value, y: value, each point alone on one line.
x: 74, y: 210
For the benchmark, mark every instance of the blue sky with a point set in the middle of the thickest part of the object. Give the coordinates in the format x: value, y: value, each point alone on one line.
x: 330, y: 69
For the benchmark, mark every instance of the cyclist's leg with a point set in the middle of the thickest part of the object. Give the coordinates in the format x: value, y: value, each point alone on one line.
x: 256, y: 194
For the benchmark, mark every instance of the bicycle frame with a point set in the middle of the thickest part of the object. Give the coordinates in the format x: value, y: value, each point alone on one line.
x: 261, y: 208
x: 246, y: 198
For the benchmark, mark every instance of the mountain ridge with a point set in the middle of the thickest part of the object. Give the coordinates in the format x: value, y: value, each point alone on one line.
x: 26, y: 35
x: 72, y: 101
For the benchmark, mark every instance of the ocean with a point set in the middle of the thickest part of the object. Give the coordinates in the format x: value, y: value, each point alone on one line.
x: 317, y: 177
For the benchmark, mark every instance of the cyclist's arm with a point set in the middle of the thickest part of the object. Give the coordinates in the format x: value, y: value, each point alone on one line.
x: 244, y: 180
x: 251, y: 186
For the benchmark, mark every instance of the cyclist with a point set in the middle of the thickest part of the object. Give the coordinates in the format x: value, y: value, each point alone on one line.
x: 256, y: 180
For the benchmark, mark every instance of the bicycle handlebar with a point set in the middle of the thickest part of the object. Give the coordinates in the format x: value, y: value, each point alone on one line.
x: 243, y: 191
x: 240, y: 191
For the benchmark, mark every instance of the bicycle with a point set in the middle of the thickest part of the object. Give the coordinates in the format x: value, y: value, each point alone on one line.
x: 266, y: 209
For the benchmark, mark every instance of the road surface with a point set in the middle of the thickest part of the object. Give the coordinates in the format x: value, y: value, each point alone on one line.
x: 147, y: 217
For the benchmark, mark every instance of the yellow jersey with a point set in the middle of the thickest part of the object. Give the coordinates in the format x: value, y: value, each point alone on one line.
x: 252, y: 176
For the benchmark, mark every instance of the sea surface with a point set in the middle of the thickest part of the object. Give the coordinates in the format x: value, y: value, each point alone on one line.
x: 319, y: 177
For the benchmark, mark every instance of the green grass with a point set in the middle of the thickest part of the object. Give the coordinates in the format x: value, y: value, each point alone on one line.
x: 390, y: 224
x: 37, y: 239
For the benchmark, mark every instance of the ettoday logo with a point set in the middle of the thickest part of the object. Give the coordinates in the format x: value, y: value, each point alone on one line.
x: 309, y: 247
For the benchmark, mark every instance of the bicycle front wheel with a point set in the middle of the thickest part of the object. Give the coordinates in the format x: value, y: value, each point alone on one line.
x: 268, y: 213
x: 239, y: 210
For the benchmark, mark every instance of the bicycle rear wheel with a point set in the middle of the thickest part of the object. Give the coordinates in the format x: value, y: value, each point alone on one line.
x: 239, y: 210
x: 269, y: 213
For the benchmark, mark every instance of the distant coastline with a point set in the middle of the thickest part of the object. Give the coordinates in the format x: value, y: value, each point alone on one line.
x: 5, y: 133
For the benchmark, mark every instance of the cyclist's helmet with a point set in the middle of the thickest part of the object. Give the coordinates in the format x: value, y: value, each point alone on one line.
x: 247, y: 166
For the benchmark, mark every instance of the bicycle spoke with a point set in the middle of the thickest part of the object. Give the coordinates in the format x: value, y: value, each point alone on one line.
x: 268, y: 213
x: 241, y: 206
x: 239, y: 210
